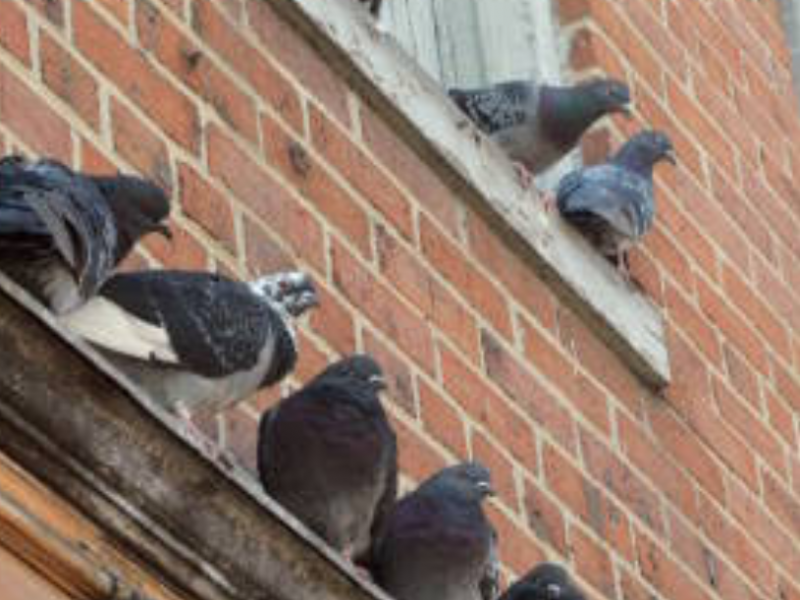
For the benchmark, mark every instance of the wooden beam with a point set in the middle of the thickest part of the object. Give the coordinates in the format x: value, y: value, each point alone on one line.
x: 419, y: 111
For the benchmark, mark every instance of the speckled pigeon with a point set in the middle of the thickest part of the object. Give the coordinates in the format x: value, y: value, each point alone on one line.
x: 438, y: 543
x: 537, y: 125
x: 611, y: 204
x: 374, y: 6
x: 328, y: 454
x: 197, y: 339
x: 547, y: 581
x: 62, y: 233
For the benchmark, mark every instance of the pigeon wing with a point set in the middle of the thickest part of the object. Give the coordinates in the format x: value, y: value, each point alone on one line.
x: 215, y: 326
x: 499, y: 107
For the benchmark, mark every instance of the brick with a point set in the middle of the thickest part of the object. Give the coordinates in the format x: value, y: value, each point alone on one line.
x: 545, y: 517
x: 119, y: 9
x: 787, y: 386
x: 355, y: 166
x: 183, y: 251
x: 306, y: 173
x: 688, y: 318
x: 416, y: 282
x: 592, y: 562
x: 487, y: 407
x: 95, y: 160
x: 664, y: 573
x: 195, y: 68
x: 333, y: 322
x: 206, y: 206
x: 591, y: 505
x: 743, y: 378
x: 421, y: 180
x: 782, y: 503
x: 442, y: 420
x: 311, y: 361
x: 517, y: 548
x: 490, y: 248
x: 397, y: 371
x: 259, y: 190
x: 264, y: 253
x: 138, y: 144
x: 382, y: 307
x: 135, y: 77
x: 658, y: 466
x: 299, y: 59
x: 32, y: 120
x: 481, y: 293
x: 522, y: 388
x: 682, y: 443
x: 620, y: 480
x: 416, y: 457
x: 489, y: 453
x: 781, y: 418
x: 692, y: 550
x: 14, y: 33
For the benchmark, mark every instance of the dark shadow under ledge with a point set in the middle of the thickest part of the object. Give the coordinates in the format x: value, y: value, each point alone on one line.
x: 420, y: 113
x: 202, y: 524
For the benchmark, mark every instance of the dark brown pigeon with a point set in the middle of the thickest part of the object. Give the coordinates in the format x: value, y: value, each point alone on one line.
x: 612, y: 204
x: 329, y: 455
x: 438, y: 543
x: 62, y: 233
x: 538, y: 125
x: 547, y: 581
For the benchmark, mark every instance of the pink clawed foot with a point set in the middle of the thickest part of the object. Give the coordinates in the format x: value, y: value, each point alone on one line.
x: 524, y: 176
x: 623, y: 267
x: 349, y: 555
x: 549, y: 202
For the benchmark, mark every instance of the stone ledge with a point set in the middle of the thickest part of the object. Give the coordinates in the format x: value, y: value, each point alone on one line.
x: 73, y: 422
x: 420, y: 113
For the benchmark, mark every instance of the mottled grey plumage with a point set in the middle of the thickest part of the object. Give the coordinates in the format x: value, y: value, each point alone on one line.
x: 438, y: 543
x: 538, y: 125
x: 197, y: 339
x: 62, y: 233
x: 374, y: 6
x: 547, y: 581
x: 328, y: 455
x: 612, y: 203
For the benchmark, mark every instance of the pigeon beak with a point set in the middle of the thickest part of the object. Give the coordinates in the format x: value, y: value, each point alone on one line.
x: 378, y: 381
x: 671, y: 157
x: 486, y: 488
x: 553, y: 591
x: 625, y: 110
x: 164, y: 230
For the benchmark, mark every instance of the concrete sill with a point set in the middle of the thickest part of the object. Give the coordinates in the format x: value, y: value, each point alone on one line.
x: 201, y: 524
x: 419, y: 111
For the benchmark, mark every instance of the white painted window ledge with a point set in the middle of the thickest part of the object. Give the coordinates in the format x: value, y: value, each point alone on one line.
x: 419, y: 111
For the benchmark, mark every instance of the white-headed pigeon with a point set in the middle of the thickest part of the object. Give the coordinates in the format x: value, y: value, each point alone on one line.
x: 437, y: 543
x: 611, y: 204
x: 195, y: 339
x: 62, y: 233
x: 328, y: 454
x: 538, y: 125
x: 546, y: 581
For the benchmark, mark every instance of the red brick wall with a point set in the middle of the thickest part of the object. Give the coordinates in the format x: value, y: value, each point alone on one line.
x: 273, y: 161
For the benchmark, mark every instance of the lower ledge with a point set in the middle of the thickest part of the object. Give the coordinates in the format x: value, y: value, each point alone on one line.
x: 199, y: 523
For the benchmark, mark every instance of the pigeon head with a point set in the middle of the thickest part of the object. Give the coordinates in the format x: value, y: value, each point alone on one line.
x: 139, y: 207
x: 644, y: 150
x: 549, y: 581
x: 12, y: 163
x: 470, y: 480
x: 291, y: 291
x: 361, y: 368
x: 606, y: 95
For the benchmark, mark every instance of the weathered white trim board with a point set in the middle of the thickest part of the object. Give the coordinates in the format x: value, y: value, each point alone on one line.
x: 418, y: 109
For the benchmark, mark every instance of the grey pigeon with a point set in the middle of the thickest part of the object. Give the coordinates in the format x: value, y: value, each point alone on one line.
x: 611, y: 204
x: 537, y: 125
x: 547, y: 581
x: 437, y: 543
x: 197, y: 339
x: 374, y: 6
x: 62, y: 233
x: 328, y: 454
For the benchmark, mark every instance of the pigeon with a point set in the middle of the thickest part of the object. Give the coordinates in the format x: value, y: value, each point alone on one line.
x: 374, y: 6
x: 611, y: 204
x: 547, y: 581
x: 537, y: 125
x: 328, y: 455
x: 62, y: 233
x: 197, y: 340
x: 437, y: 543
